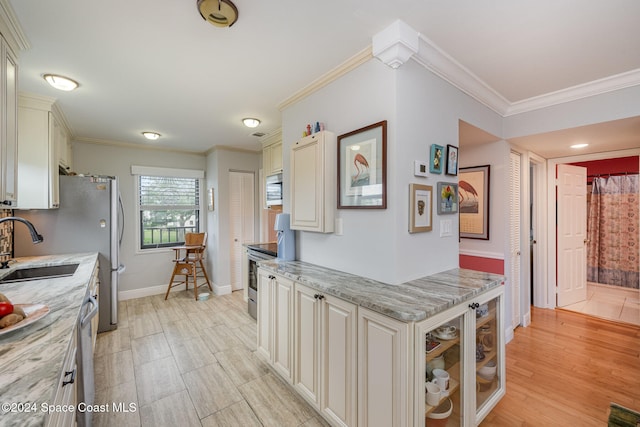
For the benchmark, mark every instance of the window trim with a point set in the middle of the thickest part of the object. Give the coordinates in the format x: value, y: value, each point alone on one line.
x: 137, y: 171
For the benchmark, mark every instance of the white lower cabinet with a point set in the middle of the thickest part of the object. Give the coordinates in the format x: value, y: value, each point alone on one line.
x: 275, y: 324
x: 66, y: 393
x: 467, y: 343
x: 358, y: 367
x: 385, y: 366
x: 325, y: 361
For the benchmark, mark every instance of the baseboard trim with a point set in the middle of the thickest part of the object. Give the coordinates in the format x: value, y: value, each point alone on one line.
x: 222, y: 290
x: 508, y: 334
x: 161, y: 289
x: 142, y: 292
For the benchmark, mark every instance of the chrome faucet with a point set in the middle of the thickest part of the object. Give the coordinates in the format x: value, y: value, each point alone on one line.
x: 35, y: 237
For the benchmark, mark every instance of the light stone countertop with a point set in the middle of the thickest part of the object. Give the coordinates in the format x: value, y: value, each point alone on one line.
x: 410, y: 301
x: 31, y: 358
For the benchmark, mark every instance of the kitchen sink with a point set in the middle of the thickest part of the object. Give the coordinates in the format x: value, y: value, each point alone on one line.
x: 35, y: 273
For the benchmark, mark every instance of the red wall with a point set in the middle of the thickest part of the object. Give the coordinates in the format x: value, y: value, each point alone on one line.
x: 488, y: 265
x: 610, y: 166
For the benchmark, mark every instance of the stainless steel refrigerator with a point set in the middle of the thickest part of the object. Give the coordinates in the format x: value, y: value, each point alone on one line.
x: 90, y: 219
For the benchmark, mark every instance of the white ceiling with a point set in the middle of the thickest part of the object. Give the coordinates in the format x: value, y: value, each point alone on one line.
x: 156, y: 65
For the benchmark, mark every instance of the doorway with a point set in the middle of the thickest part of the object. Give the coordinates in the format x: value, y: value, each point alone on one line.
x: 241, y: 220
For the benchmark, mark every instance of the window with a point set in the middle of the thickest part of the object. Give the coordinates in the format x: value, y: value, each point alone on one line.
x: 169, y: 207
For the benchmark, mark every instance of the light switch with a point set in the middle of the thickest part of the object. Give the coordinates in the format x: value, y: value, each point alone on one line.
x: 445, y: 227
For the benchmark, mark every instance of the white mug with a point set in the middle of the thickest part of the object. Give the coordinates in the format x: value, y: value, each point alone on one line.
x: 433, y: 394
x: 441, y: 377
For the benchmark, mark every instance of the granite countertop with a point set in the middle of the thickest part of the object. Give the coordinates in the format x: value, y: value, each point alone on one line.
x: 410, y: 301
x: 31, y: 358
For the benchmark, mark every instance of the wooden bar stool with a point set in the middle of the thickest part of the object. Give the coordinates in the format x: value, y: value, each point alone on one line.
x: 191, y: 264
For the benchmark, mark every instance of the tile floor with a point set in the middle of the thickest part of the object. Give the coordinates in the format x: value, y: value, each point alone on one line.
x: 610, y: 302
x: 185, y: 363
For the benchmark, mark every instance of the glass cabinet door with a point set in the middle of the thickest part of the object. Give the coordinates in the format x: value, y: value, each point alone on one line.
x: 443, y: 373
x: 489, y: 369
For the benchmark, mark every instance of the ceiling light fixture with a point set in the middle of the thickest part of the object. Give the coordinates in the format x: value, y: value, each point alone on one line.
x: 151, y: 135
x: 221, y: 13
x: 250, y: 122
x: 579, y: 145
x: 60, y: 82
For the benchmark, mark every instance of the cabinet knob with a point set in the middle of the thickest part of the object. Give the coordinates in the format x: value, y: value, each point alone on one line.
x: 7, y: 202
x: 474, y: 305
x: 320, y: 296
x: 272, y: 277
x: 316, y: 296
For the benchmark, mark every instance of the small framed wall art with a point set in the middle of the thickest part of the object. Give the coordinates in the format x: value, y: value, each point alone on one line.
x: 447, y: 197
x: 419, y: 168
x: 435, y: 158
x: 452, y: 160
x: 420, y: 218
x: 362, y: 168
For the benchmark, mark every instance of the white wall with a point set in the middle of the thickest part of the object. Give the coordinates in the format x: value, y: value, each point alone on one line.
x: 421, y: 109
x: 143, y: 270
x: 219, y: 162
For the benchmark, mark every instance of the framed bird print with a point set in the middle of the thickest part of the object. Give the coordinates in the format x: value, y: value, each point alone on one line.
x: 362, y: 168
x: 473, y: 199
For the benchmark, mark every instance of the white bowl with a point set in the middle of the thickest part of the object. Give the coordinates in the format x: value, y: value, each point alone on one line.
x: 488, y: 371
x: 203, y: 297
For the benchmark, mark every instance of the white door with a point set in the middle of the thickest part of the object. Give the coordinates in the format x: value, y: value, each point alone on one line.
x: 515, y: 237
x: 241, y: 220
x: 571, y: 235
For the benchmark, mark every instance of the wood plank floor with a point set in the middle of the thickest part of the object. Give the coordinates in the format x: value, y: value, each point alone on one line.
x: 566, y: 368
x: 183, y: 362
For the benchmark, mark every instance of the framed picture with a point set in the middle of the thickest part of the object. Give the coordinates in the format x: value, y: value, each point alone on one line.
x: 435, y: 159
x: 362, y: 168
x: 420, y: 197
x: 419, y: 168
x: 474, y: 187
x: 210, y: 202
x: 452, y: 160
x: 447, y: 198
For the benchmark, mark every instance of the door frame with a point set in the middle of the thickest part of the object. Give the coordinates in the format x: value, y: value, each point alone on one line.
x: 550, y: 297
x: 529, y: 159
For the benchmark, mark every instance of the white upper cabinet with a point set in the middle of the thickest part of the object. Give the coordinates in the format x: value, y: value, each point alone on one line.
x: 313, y: 183
x: 8, y: 126
x: 40, y: 134
x: 272, y: 154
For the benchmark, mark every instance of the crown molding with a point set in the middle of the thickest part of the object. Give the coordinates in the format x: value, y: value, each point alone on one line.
x: 355, y: 61
x: 271, y: 138
x: 230, y: 148
x: 395, y: 44
x: 444, y: 66
x: 11, y: 29
x: 585, y: 90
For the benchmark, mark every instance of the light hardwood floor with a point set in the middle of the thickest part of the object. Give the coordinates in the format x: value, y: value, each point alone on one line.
x: 188, y: 363
x: 566, y: 368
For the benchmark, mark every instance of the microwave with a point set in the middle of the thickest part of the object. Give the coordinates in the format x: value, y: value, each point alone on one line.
x: 274, y: 189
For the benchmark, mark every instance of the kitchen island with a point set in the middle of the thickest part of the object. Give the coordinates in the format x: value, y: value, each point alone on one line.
x: 355, y: 348
x: 32, y: 357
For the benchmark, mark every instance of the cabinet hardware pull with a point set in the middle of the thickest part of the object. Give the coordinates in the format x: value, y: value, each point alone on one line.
x: 316, y: 296
x: 321, y: 296
x: 73, y: 377
x: 474, y: 305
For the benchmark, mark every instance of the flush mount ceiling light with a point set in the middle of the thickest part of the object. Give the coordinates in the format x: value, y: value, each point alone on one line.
x: 579, y: 145
x: 151, y: 135
x: 251, y: 123
x: 221, y: 13
x: 61, y: 82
